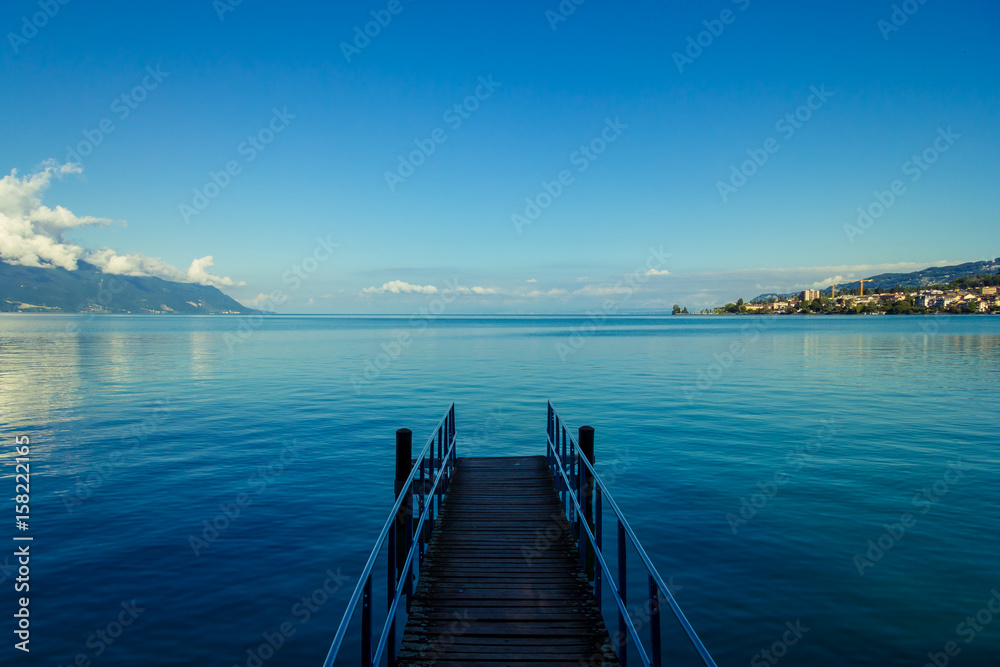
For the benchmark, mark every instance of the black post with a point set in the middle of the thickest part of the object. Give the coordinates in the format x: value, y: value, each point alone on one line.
x: 586, y: 439
x: 404, y: 463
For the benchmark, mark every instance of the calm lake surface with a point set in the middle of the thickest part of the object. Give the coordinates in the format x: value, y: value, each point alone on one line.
x: 142, y: 426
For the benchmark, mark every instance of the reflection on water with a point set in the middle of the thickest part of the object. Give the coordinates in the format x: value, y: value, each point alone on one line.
x: 143, y: 426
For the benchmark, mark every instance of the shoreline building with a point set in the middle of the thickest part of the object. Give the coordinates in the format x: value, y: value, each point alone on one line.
x: 809, y: 295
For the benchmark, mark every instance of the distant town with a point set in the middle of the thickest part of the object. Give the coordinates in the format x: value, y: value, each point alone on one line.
x: 975, y: 294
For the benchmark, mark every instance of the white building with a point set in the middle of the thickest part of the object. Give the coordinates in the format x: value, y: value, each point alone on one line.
x: 809, y: 295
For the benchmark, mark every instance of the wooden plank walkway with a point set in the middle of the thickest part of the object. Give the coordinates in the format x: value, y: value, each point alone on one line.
x: 493, y: 591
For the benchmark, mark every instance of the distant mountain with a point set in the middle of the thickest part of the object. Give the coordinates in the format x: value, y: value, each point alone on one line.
x: 930, y: 276
x: 31, y: 289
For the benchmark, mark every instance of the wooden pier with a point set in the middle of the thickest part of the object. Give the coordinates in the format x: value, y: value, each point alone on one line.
x: 503, y: 583
x: 501, y: 561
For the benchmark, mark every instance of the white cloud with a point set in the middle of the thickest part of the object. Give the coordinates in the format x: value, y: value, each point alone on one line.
x: 531, y: 280
x: 850, y: 273
x: 134, y: 264
x: 31, y: 234
x: 833, y: 280
x: 657, y: 272
x: 400, y: 287
x: 481, y: 291
x: 555, y: 291
x: 258, y: 301
x: 403, y: 287
x: 197, y: 273
x: 593, y: 290
x: 856, y: 269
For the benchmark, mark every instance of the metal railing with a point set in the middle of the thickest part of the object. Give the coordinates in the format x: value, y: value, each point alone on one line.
x: 572, y: 468
x: 435, y: 464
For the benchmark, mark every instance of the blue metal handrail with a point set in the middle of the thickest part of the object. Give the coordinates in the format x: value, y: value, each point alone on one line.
x: 439, y: 467
x: 571, y: 469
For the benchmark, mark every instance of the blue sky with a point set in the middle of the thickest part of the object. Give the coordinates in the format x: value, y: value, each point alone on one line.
x: 330, y: 125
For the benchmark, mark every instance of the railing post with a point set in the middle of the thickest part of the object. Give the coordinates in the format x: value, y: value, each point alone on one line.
x: 654, y: 620
x: 417, y: 555
x: 549, y: 454
x: 449, y: 452
x: 441, y: 464
x: 425, y: 533
x: 574, y: 478
x: 391, y: 539
x: 587, y: 484
x: 568, y: 467
x: 366, y: 623
x: 561, y: 443
x: 391, y: 592
x: 583, y: 497
x: 623, y: 593
x: 581, y: 534
x: 430, y: 499
x: 404, y: 463
x: 598, y: 529
x: 451, y: 436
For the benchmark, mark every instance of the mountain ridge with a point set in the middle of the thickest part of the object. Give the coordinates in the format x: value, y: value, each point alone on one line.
x: 31, y: 289
x: 932, y: 275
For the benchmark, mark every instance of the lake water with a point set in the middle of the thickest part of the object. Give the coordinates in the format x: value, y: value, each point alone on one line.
x: 142, y: 426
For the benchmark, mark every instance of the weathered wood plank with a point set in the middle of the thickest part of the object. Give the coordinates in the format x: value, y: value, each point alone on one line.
x: 502, y: 582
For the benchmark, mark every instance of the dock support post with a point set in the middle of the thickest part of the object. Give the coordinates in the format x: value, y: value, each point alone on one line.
x: 404, y: 463
x: 586, y: 439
